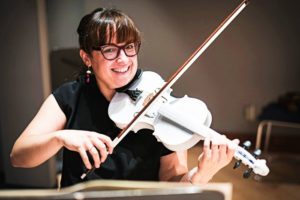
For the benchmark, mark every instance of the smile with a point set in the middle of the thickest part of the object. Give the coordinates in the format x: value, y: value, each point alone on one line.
x: 121, y: 70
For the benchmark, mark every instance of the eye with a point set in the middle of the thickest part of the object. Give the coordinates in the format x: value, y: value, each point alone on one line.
x: 109, y: 49
x: 130, y: 46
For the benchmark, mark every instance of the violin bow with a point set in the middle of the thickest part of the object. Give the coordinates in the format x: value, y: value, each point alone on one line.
x: 186, y: 65
x: 180, y: 71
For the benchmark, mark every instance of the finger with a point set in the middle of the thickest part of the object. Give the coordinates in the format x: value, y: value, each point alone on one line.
x: 206, y: 149
x: 232, y: 146
x: 200, y: 156
x: 107, y: 141
x: 215, y: 150
x: 94, y: 153
x: 85, y: 158
x: 206, y: 144
x: 236, y: 141
x: 223, y: 148
x: 102, y: 149
x: 230, y: 153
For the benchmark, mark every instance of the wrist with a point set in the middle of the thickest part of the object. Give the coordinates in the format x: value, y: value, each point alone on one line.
x: 58, y: 138
x: 197, y: 176
x: 191, y: 174
x: 187, y: 177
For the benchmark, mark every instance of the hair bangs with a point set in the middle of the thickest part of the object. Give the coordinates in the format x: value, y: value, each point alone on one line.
x: 126, y: 32
x: 105, y: 26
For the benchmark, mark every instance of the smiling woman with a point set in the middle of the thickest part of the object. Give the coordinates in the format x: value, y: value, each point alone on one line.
x: 102, y: 35
x: 75, y: 117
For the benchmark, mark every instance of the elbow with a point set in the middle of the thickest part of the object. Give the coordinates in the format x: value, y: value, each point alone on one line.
x: 13, y: 160
x: 19, y: 156
x: 17, y: 162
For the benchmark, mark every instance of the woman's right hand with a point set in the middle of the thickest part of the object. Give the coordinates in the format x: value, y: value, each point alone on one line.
x: 45, y: 136
x: 84, y: 142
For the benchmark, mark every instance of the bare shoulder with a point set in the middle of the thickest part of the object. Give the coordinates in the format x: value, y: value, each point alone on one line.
x: 49, y: 118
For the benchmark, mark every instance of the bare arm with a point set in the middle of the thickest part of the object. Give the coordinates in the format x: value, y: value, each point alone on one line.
x: 39, y: 141
x: 44, y: 137
x: 173, y: 166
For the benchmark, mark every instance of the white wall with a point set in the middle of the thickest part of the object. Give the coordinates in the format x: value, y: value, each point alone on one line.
x: 253, y: 62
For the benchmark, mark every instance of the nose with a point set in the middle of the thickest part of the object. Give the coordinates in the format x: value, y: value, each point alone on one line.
x: 122, y: 57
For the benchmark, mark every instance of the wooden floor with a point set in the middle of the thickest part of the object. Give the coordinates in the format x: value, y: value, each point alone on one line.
x: 271, y: 188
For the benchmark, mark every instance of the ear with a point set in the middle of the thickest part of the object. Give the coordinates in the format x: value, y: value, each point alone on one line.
x: 85, y: 58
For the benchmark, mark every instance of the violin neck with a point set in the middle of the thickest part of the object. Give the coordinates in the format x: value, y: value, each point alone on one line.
x: 204, y: 131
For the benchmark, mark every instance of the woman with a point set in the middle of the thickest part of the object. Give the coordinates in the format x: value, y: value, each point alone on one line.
x: 74, y: 117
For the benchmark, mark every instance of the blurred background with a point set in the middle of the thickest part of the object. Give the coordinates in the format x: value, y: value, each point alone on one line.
x: 249, y: 74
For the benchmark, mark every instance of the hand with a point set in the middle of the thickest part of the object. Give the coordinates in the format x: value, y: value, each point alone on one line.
x: 216, y: 154
x: 83, y: 141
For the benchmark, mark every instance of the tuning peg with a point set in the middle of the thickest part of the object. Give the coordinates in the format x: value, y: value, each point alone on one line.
x: 247, y: 173
x: 246, y: 145
x: 256, y: 153
x: 237, y: 164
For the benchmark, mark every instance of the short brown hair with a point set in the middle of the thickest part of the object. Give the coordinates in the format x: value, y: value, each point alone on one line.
x: 100, y: 26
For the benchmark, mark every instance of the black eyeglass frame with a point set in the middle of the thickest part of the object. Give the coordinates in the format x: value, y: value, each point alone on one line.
x: 137, y: 49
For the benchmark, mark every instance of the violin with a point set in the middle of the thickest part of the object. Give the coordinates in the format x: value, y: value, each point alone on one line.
x: 179, y: 123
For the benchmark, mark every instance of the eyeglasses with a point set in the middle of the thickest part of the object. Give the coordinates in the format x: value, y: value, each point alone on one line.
x: 112, y: 51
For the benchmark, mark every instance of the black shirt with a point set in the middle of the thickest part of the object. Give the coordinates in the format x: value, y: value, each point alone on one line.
x: 136, y: 157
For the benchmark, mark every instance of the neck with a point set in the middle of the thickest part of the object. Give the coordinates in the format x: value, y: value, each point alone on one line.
x: 106, y: 91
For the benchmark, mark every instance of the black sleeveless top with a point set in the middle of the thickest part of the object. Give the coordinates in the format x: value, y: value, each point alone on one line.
x: 136, y: 157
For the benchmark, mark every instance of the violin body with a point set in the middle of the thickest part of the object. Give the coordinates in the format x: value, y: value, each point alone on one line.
x: 179, y: 123
x: 122, y: 109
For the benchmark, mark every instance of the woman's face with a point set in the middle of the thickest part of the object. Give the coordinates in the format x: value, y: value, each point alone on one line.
x: 112, y: 74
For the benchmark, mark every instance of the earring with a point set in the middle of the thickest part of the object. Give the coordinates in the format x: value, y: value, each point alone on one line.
x: 88, y: 75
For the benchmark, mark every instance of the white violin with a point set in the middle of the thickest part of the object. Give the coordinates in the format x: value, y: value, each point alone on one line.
x: 179, y: 123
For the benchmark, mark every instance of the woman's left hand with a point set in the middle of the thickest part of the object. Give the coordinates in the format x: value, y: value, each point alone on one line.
x: 216, y: 154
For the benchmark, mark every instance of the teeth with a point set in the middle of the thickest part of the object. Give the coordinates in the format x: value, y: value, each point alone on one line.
x: 121, y: 70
